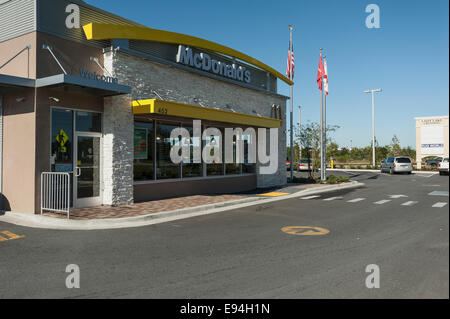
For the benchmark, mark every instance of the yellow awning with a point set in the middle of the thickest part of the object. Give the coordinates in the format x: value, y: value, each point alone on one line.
x: 155, y: 106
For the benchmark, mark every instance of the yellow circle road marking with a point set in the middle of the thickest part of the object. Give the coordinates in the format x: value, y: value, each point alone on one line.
x: 305, y: 230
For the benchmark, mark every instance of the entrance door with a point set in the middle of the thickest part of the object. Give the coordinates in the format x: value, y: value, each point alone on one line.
x: 87, y: 190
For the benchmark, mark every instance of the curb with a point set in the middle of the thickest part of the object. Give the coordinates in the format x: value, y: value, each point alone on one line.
x: 372, y: 170
x: 44, y: 222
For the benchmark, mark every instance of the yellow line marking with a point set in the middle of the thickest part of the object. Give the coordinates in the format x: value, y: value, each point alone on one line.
x: 2, y: 239
x: 305, y: 230
x: 11, y: 235
x: 273, y: 194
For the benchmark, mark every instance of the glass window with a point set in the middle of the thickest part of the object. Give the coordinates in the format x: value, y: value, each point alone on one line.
x: 233, y: 168
x: 191, y: 169
x: 143, y: 151
x: 216, y: 168
x: 248, y: 168
x: 89, y: 122
x: 165, y: 168
x: 62, y: 140
x: 403, y: 160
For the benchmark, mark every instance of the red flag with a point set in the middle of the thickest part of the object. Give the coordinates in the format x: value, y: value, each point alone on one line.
x: 320, y: 73
x: 325, y: 77
x: 290, y: 64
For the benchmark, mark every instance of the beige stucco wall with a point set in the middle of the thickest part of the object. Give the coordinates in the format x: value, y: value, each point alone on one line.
x: 38, y: 63
x: 427, y: 121
x: 19, y: 151
x: 24, y: 65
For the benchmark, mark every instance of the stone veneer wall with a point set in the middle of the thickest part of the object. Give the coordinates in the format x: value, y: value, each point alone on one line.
x: 177, y: 85
x: 118, y: 151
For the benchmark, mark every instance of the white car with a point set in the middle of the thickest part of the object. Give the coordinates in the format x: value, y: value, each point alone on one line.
x: 304, y: 164
x: 443, y: 166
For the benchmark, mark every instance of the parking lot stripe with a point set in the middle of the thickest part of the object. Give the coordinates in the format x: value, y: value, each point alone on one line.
x: 439, y: 193
x: 381, y: 202
x: 355, y: 200
x: 333, y: 198
x: 410, y: 203
x: 439, y: 205
x: 11, y: 235
x: 310, y: 197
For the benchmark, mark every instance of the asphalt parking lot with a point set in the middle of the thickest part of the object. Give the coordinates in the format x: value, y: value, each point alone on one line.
x: 398, y: 222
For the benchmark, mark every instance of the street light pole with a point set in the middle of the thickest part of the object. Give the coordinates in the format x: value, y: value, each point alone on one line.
x: 299, y: 132
x: 373, y: 121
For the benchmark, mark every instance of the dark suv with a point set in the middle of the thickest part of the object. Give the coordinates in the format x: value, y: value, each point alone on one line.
x: 433, y: 161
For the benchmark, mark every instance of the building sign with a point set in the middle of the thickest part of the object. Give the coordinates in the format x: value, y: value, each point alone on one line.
x: 432, y: 140
x: 203, y: 61
x: 431, y: 121
x: 98, y: 77
x: 140, y: 143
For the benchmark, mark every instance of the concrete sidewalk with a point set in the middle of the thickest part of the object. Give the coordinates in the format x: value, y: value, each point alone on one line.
x: 45, y: 222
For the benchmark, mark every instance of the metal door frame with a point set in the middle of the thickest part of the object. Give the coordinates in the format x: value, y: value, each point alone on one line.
x: 91, y: 201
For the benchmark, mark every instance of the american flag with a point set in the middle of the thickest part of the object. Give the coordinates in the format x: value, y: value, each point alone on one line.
x: 290, y: 64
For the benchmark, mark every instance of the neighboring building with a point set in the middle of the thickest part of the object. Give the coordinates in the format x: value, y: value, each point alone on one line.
x: 431, y: 137
x: 99, y: 100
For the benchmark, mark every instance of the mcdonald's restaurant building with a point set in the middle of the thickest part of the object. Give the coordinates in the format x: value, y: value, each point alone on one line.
x: 94, y: 95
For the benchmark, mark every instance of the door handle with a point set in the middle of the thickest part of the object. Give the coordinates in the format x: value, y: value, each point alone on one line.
x: 78, y: 172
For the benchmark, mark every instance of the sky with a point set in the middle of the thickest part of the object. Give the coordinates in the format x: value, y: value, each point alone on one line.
x: 408, y: 56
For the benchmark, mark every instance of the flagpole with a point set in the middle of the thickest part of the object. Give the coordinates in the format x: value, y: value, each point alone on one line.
x: 291, y: 105
x: 325, y: 126
x: 321, y: 125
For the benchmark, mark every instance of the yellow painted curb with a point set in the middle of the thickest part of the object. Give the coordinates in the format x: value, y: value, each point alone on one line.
x: 274, y: 194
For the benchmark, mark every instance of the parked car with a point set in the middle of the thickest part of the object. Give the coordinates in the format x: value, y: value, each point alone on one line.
x: 433, y: 161
x: 443, y: 166
x: 397, y: 164
x: 305, y: 164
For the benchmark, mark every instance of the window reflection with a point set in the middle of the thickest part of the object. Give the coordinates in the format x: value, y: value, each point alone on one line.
x: 89, y: 122
x: 143, y: 151
x: 217, y: 167
x: 248, y: 168
x: 156, y: 135
x: 191, y: 169
x: 233, y: 168
x: 62, y: 140
x: 165, y: 168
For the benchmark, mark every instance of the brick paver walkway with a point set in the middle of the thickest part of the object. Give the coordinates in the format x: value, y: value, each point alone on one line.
x: 138, y: 209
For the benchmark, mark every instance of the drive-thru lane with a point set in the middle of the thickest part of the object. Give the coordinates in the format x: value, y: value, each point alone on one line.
x: 246, y: 254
